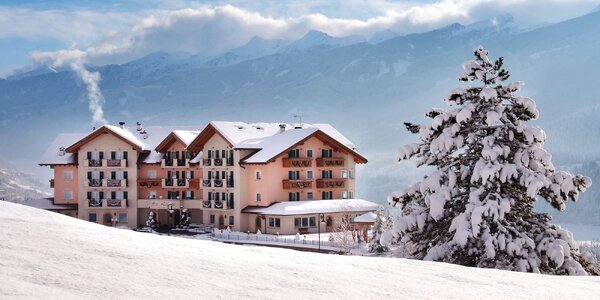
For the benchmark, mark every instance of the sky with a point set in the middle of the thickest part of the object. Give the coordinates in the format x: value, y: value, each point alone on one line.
x: 59, y: 33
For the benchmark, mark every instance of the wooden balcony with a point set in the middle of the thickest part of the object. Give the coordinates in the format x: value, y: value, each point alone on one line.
x: 149, y: 182
x: 194, y: 183
x: 331, y: 162
x: 297, y: 162
x: 331, y: 183
x: 93, y: 163
x: 51, y: 183
x: 289, y: 184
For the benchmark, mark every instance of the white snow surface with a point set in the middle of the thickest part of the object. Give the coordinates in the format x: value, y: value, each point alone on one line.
x: 51, y: 256
x: 314, y: 207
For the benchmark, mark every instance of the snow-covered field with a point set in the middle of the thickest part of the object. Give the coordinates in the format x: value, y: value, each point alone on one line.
x: 50, y: 256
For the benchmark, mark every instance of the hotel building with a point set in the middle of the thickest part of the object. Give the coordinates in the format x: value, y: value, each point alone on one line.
x: 272, y: 177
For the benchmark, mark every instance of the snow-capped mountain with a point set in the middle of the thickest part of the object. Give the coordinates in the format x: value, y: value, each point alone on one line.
x: 16, y: 186
x: 381, y: 36
x: 256, y: 47
x: 366, y: 90
x: 316, y: 40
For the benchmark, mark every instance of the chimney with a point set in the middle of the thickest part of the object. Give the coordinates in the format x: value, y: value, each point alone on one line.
x: 281, y: 128
x: 61, y: 151
x: 122, y: 125
x: 139, y: 126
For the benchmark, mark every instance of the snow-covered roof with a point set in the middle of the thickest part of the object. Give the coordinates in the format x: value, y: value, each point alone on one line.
x: 154, y: 136
x: 368, y: 217
x: 313, y: 207
x: 271, y: 140
x: 186, y: 136
x: 48, y: 204
x: 53, y: 156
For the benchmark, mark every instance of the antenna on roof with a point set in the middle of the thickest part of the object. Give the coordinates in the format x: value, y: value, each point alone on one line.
x: 299, y: 117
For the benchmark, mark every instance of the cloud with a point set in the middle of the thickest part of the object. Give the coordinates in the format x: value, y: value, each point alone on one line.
x: 208, y: 30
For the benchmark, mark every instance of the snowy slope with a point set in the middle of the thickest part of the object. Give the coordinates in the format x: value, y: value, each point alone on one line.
x: 47, y: 255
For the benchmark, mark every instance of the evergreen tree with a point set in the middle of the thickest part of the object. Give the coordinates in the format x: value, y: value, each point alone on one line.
x: 375, y: 245
x: 476, y: 207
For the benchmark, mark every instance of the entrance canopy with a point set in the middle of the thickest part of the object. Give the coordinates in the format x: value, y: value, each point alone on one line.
x: 313, y: 207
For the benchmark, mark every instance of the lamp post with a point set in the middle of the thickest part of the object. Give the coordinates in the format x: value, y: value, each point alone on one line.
x: 170, y: 209
x: 319, y: 227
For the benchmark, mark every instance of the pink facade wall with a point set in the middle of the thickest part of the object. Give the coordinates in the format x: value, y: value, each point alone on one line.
x: 270, y: 186
x: 62, y: 185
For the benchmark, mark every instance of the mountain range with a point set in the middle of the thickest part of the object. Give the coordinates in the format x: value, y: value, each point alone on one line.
x: 365, y: 88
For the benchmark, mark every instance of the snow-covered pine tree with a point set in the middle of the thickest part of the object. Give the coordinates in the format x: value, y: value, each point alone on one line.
x: 375, y: 245
x: 476, y: 208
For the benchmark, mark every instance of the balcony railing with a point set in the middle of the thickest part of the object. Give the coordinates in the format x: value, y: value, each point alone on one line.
x: 149, y: 182
x: 116, y: 182
x: 94, y: 163
x: 95, y: 202
x: 51, y: 183
x: 297, y: 184
x: 120, y: 163
x: 330, y: 162
x: 206, y: 183
x: 94, y: 182
x: 218, y: 162
x: 175, y: 163
x: 175, y: 183
x: 297, y: 162
x: 206, y: 162
x: 218, y: 183
x: 331, y: 183
x: 206, y: 204
x: 116, y: 202
x: 218, y: 204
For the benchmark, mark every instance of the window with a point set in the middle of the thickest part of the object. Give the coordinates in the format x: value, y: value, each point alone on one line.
x: 258, y: 197
x: 258, y: 175
x: 344, y: 194
x: 212, y: 219
x: 344, y: 174
x: 309, y: 153
x: 327, y: 195
x: 68, y: 195
x: 309, y: 175
x: 305, y: 222
x: 294, y: 153
x: 327, y: 174
x: 309, y: 196
x: 122, y: 217
x: 152, y: 194
x: 351, y: 173
x: 92, y: 217
x: 257, y: 222
x: 294, y: 196
x: 293, y: 175
x: 68, y: 175
x: 230, y: 220
x: 327, y: 153
x: 351, y: 194
x: 274, y: 222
